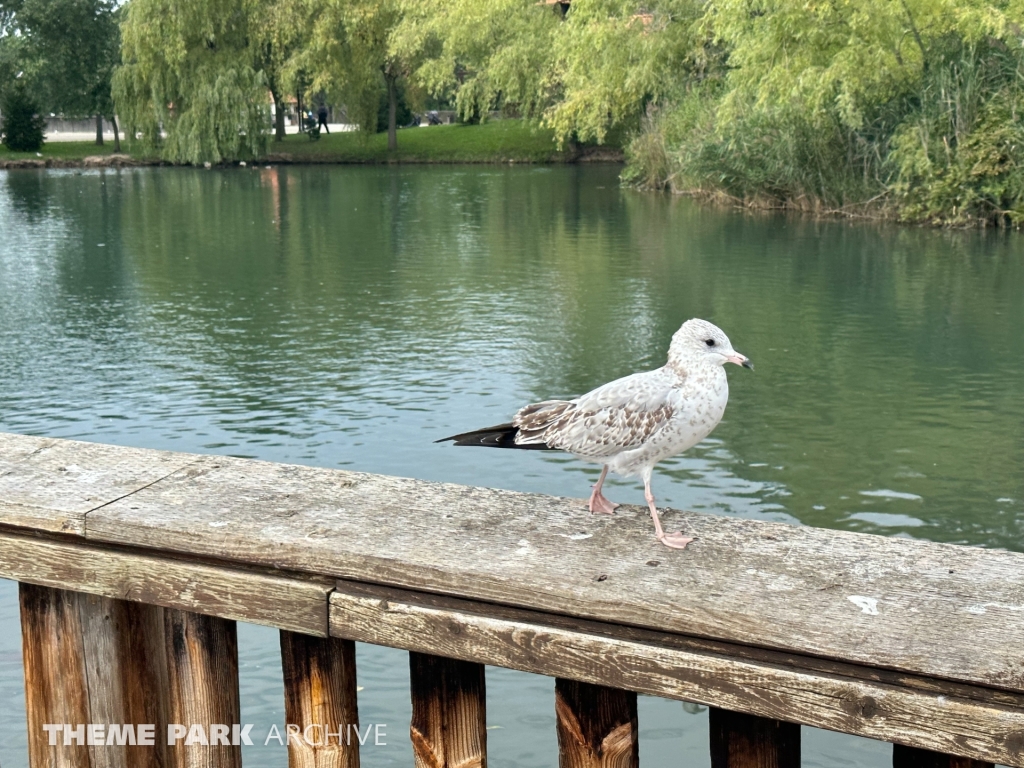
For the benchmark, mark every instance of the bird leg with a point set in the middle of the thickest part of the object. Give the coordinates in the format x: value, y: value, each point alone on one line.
x: 675, y: 540
x: 598, y: 504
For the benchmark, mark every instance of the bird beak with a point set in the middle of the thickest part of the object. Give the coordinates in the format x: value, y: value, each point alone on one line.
x: 740, y: 360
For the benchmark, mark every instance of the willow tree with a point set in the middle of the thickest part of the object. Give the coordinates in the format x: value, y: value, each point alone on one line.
x: 484, y: 55
x: 191, y: 82
x: 352, y: 54
x: 582, y: 72
x: 616, y: 57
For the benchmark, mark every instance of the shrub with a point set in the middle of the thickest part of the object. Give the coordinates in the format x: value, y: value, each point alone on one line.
x: 22, y: 129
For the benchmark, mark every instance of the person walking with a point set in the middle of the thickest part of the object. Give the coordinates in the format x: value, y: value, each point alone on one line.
x: 321, y: 114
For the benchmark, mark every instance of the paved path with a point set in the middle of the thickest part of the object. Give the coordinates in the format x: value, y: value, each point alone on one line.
x: 109, y: 135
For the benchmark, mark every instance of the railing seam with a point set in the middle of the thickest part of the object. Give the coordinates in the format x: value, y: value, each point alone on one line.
x: 85, y: 515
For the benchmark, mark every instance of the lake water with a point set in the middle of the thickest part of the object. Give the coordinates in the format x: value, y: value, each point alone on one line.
x: 347, y: 317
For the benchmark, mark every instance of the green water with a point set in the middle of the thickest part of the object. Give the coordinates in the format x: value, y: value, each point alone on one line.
x: 347, y: 317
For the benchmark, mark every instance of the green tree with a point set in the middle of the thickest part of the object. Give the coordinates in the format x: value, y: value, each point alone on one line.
x: 904, y: 108
x: 354, y: 54
x: 77, y: 45
x: 22, y: 128
x: 65, y: 52
x: 614, y: 57
x: 278, y: 28
x: 484, y: 55
x: 192, y: 71
x: 582, y: 72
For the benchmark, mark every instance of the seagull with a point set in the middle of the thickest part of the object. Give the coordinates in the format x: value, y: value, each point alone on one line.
x: 632, y: 423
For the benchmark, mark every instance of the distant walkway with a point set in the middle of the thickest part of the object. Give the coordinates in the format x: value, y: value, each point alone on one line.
x: 109, y: 135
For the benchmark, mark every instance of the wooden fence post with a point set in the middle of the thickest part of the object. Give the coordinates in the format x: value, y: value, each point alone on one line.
x: 597, y: 726
x: 92, y: 660
x: 202, y: 670
x: 56, y: 690
x: 748, y: 741
x: 912, y: 757
x: 449, y: 727
x: 319, y: 693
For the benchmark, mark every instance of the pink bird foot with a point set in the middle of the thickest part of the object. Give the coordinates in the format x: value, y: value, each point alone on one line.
x: 599, y: 505
x: 675, y: 540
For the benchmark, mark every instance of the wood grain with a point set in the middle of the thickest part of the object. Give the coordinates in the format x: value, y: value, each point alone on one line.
x: 91, y: 659
x: 748, y: 741
x: 297, y: 604
x: 144, y: 678
x: 900, y: 604
x: 126, y: 675
x: 911, y: 757
x: 202, y: 670
x: 49, y: 484
x: 954, y: 719
x: 449, y: 712
x: 56, y: 689
x: 936, y: 616
x: 597, y: 726
x: 319, y: 691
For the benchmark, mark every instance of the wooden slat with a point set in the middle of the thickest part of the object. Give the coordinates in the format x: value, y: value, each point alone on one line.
x: 319, y: 691
x: 911, y: 757
x: 202, y: 670
x: 126, y: 674
x: 56, y: 689
x: 900, y: 604
x: 926, y: 713
x: 597, y: 726
x: 91, y: 659
x: 449, y: 726
x: 747, y: 741
x: 48, y: 484
x: 296, y: 604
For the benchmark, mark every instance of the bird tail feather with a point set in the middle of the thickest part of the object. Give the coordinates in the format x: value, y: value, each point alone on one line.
x: 499, y: 436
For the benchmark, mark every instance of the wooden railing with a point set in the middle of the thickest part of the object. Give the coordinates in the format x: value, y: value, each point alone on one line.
x: 135, y: 564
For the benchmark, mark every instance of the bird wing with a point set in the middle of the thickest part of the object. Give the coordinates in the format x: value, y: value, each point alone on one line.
x: 616, y: 417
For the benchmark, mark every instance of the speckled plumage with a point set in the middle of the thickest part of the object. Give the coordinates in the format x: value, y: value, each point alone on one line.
x: 632, y: 423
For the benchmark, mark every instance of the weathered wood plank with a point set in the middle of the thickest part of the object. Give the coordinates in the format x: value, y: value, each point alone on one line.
x: 597, y: 726
x: 144, y: 677
x: 56, y: 689
x: 296, y: 604
x: 449, y: 712
x: 202, y: 671
x: 900, y: 604
x: 48, y: 484
x: 747, y: 741
x: 126, y: 672
x: 319, y: 691
x: 92, y: 660
x: 911, y: 757
x: 927, y: 714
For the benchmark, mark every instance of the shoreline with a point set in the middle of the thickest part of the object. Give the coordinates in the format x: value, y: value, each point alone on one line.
x: 595, y: 154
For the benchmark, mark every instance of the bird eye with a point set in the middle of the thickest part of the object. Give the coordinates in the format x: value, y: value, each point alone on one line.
x: 709, y: 342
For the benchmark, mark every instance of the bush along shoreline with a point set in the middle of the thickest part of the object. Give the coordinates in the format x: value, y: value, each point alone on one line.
x: 933, y: 135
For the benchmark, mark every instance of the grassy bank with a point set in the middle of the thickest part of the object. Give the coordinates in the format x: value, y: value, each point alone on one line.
x: 495, y: 141
x: 63, y: 152
x: 499, y: 141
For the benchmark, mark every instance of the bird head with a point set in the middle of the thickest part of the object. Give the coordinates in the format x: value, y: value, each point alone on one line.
x: 699, y: 341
